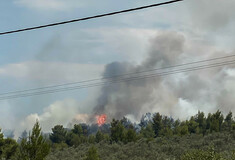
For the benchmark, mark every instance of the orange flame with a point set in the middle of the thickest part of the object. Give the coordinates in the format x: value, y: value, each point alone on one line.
x: 101, y: 119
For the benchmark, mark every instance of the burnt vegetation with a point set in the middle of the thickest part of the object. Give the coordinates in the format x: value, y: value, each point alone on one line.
x: 157, y: 136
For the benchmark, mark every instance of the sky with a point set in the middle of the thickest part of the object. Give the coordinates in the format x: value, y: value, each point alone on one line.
x: 166, y: 35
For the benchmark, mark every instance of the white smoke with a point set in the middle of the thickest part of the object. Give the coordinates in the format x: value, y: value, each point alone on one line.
x: 180, y: 95
x: 58, y: 113
x: 186, y: 93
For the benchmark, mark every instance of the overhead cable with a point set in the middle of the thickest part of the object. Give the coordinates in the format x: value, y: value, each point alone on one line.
x: 118, y: 76
x: 123, y: 80
x: 88, y: 18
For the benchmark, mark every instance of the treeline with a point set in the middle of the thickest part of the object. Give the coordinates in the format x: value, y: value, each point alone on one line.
x: 36, y: 146
x: 157, y: 126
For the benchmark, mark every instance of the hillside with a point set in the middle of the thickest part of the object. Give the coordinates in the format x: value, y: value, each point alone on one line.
x: 220, y: 144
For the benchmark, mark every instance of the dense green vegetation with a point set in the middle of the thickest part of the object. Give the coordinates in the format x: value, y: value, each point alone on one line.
x: 32, y: 147
x: 186, y: 147
x: 201, y: 137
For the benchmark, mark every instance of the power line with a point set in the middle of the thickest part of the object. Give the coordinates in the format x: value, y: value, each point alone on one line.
x: 123, y: 80
x: 88, y: 18
x: 119, y: 76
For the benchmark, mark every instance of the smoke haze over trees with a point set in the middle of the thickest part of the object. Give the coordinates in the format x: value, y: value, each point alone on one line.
x: 206, y: 136
x: 170, y: 95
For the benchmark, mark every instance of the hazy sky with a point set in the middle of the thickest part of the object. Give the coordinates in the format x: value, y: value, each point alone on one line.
x: 80, y: 51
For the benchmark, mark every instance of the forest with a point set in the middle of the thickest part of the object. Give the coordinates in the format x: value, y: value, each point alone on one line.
x: 202, y: 137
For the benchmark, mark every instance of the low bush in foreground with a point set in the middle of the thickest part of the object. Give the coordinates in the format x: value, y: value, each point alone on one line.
x: 216, y: 146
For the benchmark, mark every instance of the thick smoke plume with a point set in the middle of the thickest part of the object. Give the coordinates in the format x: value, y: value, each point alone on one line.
x: 132, y: 98
x: 179, y: 95
x: 172, y: 95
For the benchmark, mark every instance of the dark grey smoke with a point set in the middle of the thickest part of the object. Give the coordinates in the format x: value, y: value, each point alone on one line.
x: 179, y: 95
x: 133, y: 98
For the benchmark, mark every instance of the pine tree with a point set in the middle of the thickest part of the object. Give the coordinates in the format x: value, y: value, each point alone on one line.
x: 35, y: 146
x: 193, y: 126
x: 148, y: 132
x: 183, y: 129
x: 201, y: 120
x: 216, y: 121
x: 77, y: 129
x: 130, y: 135
x: 10, y: 148
x: 228, y: 121
x: 58, y: 134
x: 176, y: 127
x: 157, y: 123
x: 117, y: 131
x: 72, y: 139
